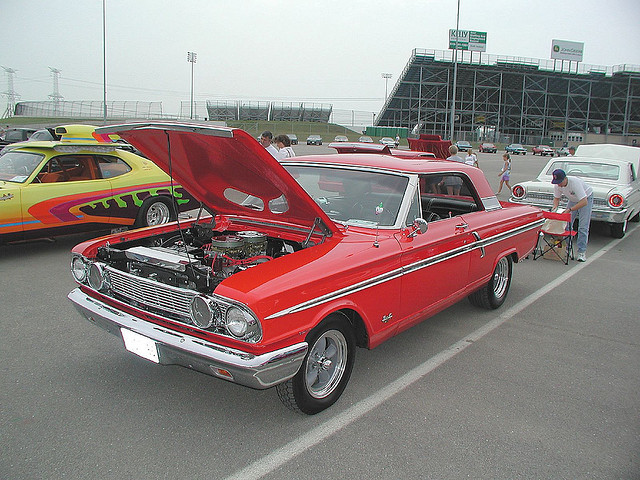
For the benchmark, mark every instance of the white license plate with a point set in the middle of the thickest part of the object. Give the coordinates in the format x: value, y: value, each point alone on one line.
x: 140, y: 345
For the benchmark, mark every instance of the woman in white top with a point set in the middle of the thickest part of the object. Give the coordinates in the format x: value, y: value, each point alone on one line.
x: 471, y: 158
x: 283, y: 142
x: 505, y: 174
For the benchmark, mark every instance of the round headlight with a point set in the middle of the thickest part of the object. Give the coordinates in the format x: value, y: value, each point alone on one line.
x: 98, y: 277
x: 204, y: 312
x: 79, y: 269
x: 237, y: 323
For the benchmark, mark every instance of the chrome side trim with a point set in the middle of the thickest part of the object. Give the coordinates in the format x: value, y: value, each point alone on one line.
x: 385, y: 277
x: 372, y: 282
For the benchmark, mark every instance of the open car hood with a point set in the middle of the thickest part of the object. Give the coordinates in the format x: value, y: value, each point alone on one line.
x: 227, y: 170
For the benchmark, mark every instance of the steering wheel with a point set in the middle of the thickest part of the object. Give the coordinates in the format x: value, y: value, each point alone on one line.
x: 432, y: 217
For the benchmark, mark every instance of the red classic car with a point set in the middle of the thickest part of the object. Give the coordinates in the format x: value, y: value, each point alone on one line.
x: 299, y: 262
x: 543, y: 150
x: 487, y: 148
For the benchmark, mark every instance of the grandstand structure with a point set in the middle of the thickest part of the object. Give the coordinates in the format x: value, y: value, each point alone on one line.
x: 263, y: 110
x: 513, y: 99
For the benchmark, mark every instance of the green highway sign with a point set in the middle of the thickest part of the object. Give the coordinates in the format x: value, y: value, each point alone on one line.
x: 467, y: 40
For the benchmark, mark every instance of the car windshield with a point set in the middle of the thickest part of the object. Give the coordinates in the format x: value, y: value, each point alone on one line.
x: 16, y: 166
x: 42, y: 135
x: 598, y: 170
x: 353, y: 197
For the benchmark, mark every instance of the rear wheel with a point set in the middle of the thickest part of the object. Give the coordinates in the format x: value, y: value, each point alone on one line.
x: 619, y: 229
x: 155, y: 211
x: 326, y: 368
x: 494, y: 293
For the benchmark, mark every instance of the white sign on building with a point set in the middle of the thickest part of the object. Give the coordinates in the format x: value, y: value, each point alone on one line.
x: 565, y: 50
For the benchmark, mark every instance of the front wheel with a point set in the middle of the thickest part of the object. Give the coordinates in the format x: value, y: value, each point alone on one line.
x: 494, y: 293
x: 326, y: 369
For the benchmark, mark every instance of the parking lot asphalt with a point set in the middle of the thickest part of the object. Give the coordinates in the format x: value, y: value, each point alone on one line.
x: 544, y: 387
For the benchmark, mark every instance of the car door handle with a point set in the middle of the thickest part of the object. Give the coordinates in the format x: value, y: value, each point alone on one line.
x: 462, y: 226
x: 478, y: 238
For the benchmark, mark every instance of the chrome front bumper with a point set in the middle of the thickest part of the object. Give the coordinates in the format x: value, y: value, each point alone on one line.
x: 174, y: 348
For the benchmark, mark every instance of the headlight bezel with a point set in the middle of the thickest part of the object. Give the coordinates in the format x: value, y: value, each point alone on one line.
x: 226, y: 317
x: 205, y: 313
x: 242, y: 324
x: 98, y: 277
x: 79, y: 268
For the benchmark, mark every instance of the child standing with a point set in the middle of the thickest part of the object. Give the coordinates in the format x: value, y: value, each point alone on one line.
x: 505, y: 174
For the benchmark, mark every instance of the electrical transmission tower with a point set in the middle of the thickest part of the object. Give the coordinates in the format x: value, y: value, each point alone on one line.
x: 55, y: 96
x: 11, y: 94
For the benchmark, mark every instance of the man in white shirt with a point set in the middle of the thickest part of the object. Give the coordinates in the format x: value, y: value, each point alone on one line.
x: 580, y: 196
x: 453, y: 182
x: 265, y: 140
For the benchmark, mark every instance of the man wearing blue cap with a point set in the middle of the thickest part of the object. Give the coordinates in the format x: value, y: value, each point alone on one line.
x: 580, y: 196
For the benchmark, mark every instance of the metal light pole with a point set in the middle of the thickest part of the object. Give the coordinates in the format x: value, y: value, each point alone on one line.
x: 191, y: 58
x: 104, y: 62
x: 455, y: 75
x: 386, y: 77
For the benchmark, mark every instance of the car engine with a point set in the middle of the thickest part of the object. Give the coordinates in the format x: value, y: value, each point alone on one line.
x: 198, y: 258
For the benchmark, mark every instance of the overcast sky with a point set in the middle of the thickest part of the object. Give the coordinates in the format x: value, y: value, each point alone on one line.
x: 322, y: 51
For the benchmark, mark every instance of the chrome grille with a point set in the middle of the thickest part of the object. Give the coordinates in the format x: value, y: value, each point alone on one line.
x: 152, y: 294
x: 546, y: 197
x: 172, y: 302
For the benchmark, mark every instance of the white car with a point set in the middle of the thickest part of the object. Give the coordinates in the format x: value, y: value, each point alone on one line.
x: 388, y: 141
x: 612, y: 172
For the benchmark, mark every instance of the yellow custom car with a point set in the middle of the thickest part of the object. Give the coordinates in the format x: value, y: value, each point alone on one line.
x: 80, y: 183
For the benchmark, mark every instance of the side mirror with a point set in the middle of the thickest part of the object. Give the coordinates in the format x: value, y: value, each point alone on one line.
x: 420, y: 226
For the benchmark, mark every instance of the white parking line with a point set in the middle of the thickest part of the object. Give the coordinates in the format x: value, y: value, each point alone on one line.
x: 284, y: 454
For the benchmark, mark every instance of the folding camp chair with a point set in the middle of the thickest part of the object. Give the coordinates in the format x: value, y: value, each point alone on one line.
x: 556, y: 237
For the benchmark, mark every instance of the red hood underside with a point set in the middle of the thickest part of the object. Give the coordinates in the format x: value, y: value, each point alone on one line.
x: 208, y: 161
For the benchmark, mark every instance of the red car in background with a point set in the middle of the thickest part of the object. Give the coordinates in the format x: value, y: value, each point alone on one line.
x: 487, y: 148
x: 299, y: 263
x: 543, y: 150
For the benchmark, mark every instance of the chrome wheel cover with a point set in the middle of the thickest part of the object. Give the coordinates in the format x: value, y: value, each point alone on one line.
x: 501, y: 278
x: 326, y: 363
x: 158, y: 214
